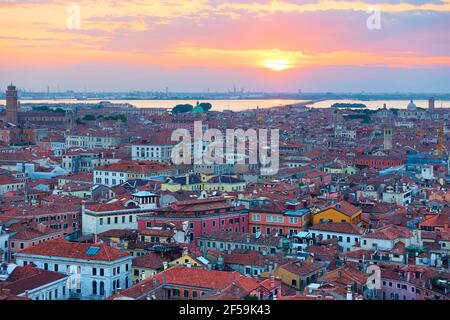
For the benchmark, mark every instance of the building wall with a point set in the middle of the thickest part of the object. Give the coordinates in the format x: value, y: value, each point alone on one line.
x: 95, y: 224
x: 84, y: 270
x: 235, y: 222
x: 4, y: 188
x: 346, y: 241
x: 4, y: 246
x: 160, y: 153
x: 15, y: 245
x: 57, y: 290
x: 221, y: 245
x: 260, y: 221
x: 300, y: 282
x: 92, y: 142
x: 140, y: 273
x: 110, y: 178
x: 335, y: 216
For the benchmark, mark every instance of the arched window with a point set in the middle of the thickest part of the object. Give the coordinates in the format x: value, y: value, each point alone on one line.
x: 94, y: 287
x: 102, y: 288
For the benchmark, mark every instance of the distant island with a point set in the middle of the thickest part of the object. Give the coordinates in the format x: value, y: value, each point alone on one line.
x: 349, y: 106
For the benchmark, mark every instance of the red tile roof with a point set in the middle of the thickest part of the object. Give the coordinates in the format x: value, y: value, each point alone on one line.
x: 65, y: 249
x: 347, y: 228
x: 302, y: 268
x: 29, y: 277
x: 191, y: 277
x: 390, y: 232
x: 344, y: 207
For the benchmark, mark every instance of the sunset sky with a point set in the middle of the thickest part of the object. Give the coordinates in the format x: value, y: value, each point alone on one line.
x: 210, y: 44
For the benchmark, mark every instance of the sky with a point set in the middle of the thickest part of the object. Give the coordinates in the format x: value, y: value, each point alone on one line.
x: 257, y: 45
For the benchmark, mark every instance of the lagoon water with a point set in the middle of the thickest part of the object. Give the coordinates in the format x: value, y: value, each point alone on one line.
x: 218, y: 105
x: 377, y: 104
x: 240, y: 105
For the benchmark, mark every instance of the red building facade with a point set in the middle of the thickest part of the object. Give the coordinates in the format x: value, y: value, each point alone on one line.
x: 199, y: 217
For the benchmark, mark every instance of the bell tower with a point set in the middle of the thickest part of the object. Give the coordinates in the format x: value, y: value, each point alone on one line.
x: 387, y: 144
x: 12, y: 106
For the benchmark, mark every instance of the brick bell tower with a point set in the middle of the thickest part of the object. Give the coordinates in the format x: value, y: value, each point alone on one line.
x: 12, y: 105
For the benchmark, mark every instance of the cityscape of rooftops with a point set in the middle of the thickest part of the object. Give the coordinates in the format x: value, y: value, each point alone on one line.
x: 246, y: 151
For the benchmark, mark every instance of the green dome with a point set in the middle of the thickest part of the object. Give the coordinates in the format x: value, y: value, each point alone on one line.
x: 198, y: 109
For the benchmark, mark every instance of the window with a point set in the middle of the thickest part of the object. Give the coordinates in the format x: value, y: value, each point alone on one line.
x: 293, y: 220
x: 256, y: 217
x: 45, y: 266
x: 94, y: 271
x: 102, y: 272
x: 294, y: 283
x: 130, y: 219
x: 102, y: 288
x: 101, y: 221
x: 94, y: 287
x: 56, y: 267
x: 186, y: 294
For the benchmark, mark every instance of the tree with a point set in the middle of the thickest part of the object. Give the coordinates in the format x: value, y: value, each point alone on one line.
x: 182, y: 108
x: 206, y: 106
x: 89, y: 117
x: 123, y: 118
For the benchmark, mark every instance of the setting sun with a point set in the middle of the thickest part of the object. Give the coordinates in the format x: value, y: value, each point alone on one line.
x: 277, y: 64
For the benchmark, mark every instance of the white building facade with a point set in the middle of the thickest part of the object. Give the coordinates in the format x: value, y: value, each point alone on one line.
x: 89, y: 279
x: 159, y: 153
x: 117, y: 214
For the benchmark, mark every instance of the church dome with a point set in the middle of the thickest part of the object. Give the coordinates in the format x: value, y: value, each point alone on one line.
x: 412, y: 106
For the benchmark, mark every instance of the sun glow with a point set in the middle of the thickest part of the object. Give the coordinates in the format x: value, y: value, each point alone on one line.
x: 277, y: 64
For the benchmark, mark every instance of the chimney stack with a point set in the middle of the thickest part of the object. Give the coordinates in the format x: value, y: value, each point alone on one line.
x: 349, y: 293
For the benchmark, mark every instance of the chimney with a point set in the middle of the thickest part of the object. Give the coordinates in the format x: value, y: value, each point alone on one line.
x: 220, y: 262
x: 349, y: 293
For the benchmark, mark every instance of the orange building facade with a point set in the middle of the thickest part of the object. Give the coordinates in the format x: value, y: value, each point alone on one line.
x: 285, y: 223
